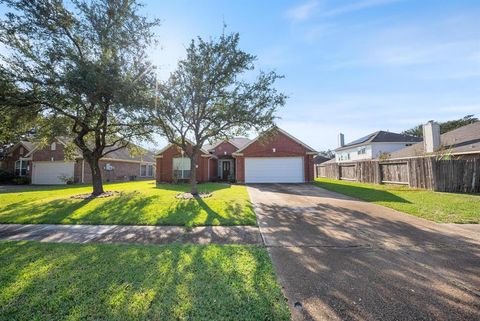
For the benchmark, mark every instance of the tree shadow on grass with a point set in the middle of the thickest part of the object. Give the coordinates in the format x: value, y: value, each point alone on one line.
x: 53, y: 212
x: 369, y: 194
x: 77, y: 282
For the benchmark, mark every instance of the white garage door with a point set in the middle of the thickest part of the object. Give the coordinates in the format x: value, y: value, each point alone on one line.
x: 274, y: 170
x: 50, y: 172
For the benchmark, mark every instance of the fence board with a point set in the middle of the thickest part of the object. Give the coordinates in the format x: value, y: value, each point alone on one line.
x: 455, y: 175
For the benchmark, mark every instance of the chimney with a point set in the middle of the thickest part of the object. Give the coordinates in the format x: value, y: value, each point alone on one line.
x: 431, y: 137
x: 341, y: 140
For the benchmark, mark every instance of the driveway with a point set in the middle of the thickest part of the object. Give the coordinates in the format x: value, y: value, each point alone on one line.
x: 342, y: 259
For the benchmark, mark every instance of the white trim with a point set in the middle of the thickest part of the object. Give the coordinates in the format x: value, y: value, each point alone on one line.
x: 83, y: 171
x: 237, y: 153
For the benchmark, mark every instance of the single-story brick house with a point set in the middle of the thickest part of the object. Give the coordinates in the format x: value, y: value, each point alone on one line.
x: 272, y: 157
x: 48, y: 165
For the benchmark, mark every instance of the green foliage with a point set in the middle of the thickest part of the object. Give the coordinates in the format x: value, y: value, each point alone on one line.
x: 21, y: 180
x: 444, y: 126
x: 82, y: 69
x: 41, y: 281
x: 140, y: 203
x: 209, y: 96
x: 5, y: 176
x: 434, y: 206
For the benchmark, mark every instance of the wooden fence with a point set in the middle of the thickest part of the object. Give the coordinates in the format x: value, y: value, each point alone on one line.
x: 455, y: 175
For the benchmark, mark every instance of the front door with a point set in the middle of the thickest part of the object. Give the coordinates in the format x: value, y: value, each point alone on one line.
x: 226, y: 166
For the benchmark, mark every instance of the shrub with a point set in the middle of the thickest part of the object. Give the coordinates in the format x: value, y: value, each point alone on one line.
x: 5, y: 177
x: 21, y: 180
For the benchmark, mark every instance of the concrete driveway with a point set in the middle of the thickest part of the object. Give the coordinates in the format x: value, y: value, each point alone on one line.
x: 342, y: 259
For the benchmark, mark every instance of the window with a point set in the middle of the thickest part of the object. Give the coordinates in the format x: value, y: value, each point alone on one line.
x: 181, y: 167
x: 362, y: 151
x: 21, y: 168
x: 146, y: 170
x: 53, y: 146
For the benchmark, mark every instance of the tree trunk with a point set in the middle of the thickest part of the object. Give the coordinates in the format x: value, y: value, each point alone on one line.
x: 193, y: 173
x: 96, y: 177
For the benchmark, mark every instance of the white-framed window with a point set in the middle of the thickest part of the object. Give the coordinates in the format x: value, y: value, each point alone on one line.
x: 146, y: 170
x: 21, y: 168
x: 362, y: 151
x: 181, y: 167
x: 53, y: 146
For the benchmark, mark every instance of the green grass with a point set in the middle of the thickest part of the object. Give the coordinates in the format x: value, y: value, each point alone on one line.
x: 141, y: 203
x: 41, y: 281
x: 434, y: 206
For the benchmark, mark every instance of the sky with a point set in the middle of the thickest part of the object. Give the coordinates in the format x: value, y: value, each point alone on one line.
x: 350, y: 66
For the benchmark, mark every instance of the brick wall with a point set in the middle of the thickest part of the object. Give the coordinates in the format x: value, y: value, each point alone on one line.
x: 284, y: 147
x: 165, y: 166
x: 224, y: 147
x: 122, y: 171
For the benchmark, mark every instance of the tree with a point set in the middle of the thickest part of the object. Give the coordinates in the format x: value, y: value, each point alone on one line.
x: 206, y: 98
x: 84, y: 64
x: 444, y: 126
x: 327, y: 153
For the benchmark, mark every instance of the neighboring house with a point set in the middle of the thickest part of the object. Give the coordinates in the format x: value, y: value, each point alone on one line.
x: 48, y: 165
x: 372, y: 146
x: 273, y: 157
x: 460, y: 143
x: 319, y: 159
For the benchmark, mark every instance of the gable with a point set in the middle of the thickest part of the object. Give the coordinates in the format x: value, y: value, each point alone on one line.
x: 275, y: 143
x: 224, y: 148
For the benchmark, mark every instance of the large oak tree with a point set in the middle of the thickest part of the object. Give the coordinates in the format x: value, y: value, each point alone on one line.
x: 213, y: 94
x: 83, y: 62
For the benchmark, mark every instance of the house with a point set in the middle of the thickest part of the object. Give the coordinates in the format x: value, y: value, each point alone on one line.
x: 273, y: 157
x: 48, y: 165
x: 460, y: 143
x: 372, y: 146
x: 319, y: 159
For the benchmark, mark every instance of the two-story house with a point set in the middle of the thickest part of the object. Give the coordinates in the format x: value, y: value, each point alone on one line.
x: 372, y: 146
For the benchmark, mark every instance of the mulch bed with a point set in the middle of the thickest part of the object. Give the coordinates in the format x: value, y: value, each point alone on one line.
x: 90, y: 196
x: 188, y: 196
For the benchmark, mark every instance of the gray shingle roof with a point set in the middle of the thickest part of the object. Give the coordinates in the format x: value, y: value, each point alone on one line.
x: 320, y: 159
x: 381, y: 137
x: 462, y: 140
x: 238, y: 142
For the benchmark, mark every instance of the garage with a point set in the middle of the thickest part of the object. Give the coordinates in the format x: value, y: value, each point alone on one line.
x: 274, y: 170
x: 51, y: 173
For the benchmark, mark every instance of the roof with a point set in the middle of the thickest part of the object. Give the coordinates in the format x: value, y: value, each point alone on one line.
x: 124, y: 154
x: 320, y: 159
x: 310, y: 150
x: 381, y: 137
x: 330, y: 161
x: 463, y: 140
x: 121, y: 154
x: 238, y: 142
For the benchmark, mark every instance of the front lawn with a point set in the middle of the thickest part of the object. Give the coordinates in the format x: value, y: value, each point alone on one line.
x: 141, y: 203
x: 434, y: 206
x: 41, y: 281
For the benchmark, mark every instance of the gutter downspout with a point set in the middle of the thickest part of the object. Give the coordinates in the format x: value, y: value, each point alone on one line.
x: 83, y: 171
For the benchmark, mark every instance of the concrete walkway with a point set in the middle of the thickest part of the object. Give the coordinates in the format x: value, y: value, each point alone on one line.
x: 130, y: 234
x: 342, y: 259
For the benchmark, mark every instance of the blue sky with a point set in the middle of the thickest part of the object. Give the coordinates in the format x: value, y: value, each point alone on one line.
x: 350, y: 66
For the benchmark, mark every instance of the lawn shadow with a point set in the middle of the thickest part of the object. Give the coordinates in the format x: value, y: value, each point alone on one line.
x: 369, y: 194
x: 54, y: 211
x: 67, y: 281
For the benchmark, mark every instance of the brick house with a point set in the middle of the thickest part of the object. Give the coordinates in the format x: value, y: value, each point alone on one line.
x: 48, y: 165
x: 272, y: 157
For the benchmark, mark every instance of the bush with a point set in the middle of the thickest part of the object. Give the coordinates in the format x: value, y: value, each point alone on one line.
x: 5, y: 177
x: 21, y: 180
